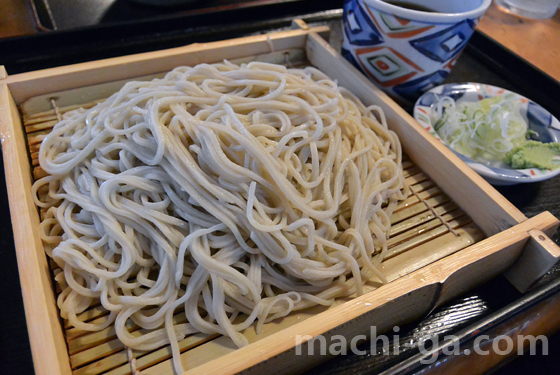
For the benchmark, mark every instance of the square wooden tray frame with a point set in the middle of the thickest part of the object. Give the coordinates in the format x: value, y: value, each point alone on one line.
x: 514, y: 244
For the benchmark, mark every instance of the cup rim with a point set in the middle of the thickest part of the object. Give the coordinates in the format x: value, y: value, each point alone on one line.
x: 417, y: 15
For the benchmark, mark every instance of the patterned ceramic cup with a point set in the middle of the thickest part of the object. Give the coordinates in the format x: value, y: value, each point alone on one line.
x: 406, y: 51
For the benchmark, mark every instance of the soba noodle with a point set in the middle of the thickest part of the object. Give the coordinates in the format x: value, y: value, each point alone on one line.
x: 237, y: 193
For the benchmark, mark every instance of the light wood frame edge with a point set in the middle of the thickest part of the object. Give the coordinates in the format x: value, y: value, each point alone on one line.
x: 48, y: 346
x: 25, y: 85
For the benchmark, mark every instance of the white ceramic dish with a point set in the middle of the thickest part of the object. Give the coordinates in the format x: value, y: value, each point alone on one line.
x: 545, y: 126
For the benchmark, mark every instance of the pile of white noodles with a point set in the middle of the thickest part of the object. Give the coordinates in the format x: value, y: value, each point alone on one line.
x: 236, y: 193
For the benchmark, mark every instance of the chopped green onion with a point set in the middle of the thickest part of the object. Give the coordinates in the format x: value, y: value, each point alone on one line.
x: 485, y: 130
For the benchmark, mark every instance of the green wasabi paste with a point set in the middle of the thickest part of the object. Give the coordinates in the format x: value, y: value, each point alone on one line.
x: 534, y: 154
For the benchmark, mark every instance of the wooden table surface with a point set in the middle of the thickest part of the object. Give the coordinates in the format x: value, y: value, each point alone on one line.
x: 16, y: 19
x: 536, y: 41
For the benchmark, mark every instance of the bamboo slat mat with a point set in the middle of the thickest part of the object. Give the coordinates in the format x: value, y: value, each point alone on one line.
x: 427, y: 226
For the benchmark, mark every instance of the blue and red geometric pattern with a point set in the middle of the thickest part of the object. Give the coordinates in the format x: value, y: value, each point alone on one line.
x: 404, y: 57
x: 358, y: 28
x: 445, y: 44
